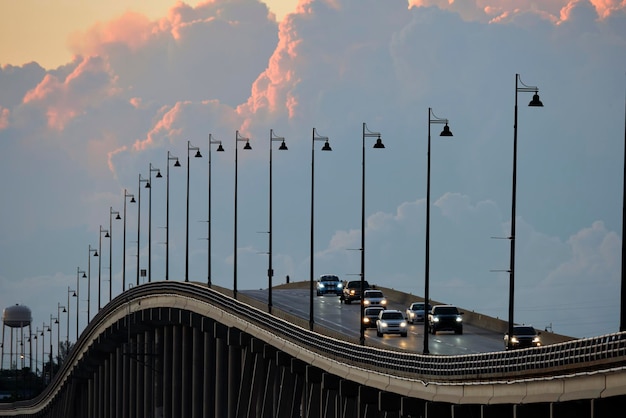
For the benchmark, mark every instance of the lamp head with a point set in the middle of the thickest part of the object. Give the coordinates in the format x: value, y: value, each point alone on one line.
x: 118, y: 216
x: 283, y: 146
x: 107, y: 235
x: 198, y: 155
x: 132, y: 200
x: 446, y: 131
x: 535, y: 102
x: 379, y: 143
x: 95, y: 253
x: 158, y: 175
x: 326, y: 146
x: 247, y: 146
x: 220, y: 148
x: 177, y: 163
x: 147, y: 185
x: 84, y: 275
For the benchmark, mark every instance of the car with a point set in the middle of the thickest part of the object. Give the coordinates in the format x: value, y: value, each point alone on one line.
x: 371, y: 316
x: 329, y: 284
x: 352, y: 291
x: 391, y: 321
x: 445, y: 318
x: 415, y: 312
x: 374, y: 298
x: 524, y: 336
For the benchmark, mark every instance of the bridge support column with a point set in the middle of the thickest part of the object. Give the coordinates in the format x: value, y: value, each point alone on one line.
x: 348, y: 396
x: 314, y: 392
x: 253, y: 378
x: 197, y: 368
x: 497, y: 411
x: 389, y: 404
x: 167, y: 370
x: 158, y: 378
x: 438, y: 409
x: 148, y: 374
x: 221, y: 371
x: 187, y: 370
x: 208, y: 385
x: 286, y: 384
x: 271, y: 388
x: 368, y: 402
x: 330, y: 396
x: 234, y: 370
x: 119, y: 381
x: 177, y: 373
x: 139, y: 351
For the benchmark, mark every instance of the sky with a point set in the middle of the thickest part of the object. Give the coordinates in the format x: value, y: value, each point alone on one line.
x: 95, y: 98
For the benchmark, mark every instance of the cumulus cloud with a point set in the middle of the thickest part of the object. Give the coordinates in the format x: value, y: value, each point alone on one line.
x: 138, y: 89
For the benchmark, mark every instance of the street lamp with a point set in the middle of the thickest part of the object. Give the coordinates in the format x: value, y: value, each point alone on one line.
x: 158, y: 175
x: 198, y: 155
x: 219, y: 149
x: 58, y: 322
x: 132, y: 200
x: 117, y: 217
x: 379, y: 144
x: 270, y: 270
x: 95, y: 254
x: 167, y: 214
x: 106, y: 235
x: 535, y: 102
x: 78, y: 272
x: 445, y: 132
x: 247, y: 147
x: 141, y: 180
x: 326, y: 147
x: 67, y: 335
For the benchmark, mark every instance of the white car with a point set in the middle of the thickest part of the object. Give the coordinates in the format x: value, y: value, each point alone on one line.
x: 374, y: 298
x: 391, y: 321
x: 415, y: 312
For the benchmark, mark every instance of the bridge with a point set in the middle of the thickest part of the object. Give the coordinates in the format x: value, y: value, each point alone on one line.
x: 180, y: 349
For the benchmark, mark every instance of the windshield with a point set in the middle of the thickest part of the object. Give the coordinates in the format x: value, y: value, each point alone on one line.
x: 373, y: 294
x: 446, y: 310
x: 393, y: 315
x: 524, y: 331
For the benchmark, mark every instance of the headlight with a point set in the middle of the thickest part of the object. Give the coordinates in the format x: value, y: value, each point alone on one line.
x: 435, y: 319
x: 339, y: 286
x: 383, y: 302
x: 514, y: 340
x: 402, y: 324
x: 536, y: 340
x: 352, y: 292
x: 383, y: 324
x: 320, y: 285
x: 366, y: 320
x: 366, y: 302
x: 459, y: 319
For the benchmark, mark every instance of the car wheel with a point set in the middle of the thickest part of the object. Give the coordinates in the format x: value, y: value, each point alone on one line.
x: 347, y: 301
x: 379, y: 334
x: 404, y: 335
x: 459, y: 331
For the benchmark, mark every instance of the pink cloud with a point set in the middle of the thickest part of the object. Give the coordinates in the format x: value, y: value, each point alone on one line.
x: 89, y: 83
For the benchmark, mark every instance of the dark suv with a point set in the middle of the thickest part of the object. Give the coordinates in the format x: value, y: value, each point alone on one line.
x: 352, y: 291
x: 329, y: 283
x: 445, y: 318
x: 523, y: 336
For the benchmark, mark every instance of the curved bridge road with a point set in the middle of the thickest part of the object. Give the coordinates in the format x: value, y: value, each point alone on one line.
x: 331, y: 313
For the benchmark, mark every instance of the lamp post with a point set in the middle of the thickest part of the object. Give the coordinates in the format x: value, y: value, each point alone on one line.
x: 158, y: 175
x: 43, y: 349
x: 67, y: 334
x: 246, y: 147
x: 167, y: 214
x: 445, y: 132
x: 535, y: 102
x: 106, y: 235
x: 270, y: 270
x: 141, y: 180
x: 326, y: 147
x: 117, y: 217
x: 219, y: 149
x: 132, y: 200
x: 95, y: 254
x: 58, y: 322
x: 78, y: 272
x: 379, y: 144
x: 198, y: 155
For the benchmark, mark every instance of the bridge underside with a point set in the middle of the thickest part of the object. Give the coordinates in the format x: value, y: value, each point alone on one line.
x: 169, y: 362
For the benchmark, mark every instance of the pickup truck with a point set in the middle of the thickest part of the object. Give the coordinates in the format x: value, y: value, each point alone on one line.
x: 445, y: 318
x: 352, y: 291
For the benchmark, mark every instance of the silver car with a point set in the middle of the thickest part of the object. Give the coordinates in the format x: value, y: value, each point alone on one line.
x: 415, y: 312
x: 391, y: 321
x: 374, y: 298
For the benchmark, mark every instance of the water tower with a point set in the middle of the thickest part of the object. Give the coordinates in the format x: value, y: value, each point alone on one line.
x: 16, y: 317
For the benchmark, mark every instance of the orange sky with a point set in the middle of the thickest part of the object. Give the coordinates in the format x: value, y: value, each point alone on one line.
x: 38, y: 30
